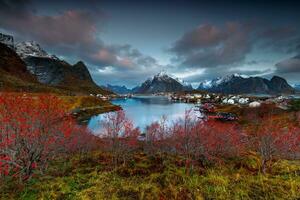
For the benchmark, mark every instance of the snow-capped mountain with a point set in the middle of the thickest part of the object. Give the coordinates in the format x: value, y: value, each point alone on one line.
x: 50, y: 70
x: 33, y: 49
x: 241, y: 84
x: 207, y: 84
x: 162, y: 82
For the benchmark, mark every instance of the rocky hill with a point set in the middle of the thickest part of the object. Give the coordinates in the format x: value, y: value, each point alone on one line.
x: 14, y: 75
x: 161, y: 83
x: 50, y: 70
x: 239, y: 84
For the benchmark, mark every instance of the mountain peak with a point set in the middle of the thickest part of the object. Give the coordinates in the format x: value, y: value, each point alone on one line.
x: 162, y: 73
x: 80, y: 63
x: 33, y: 49
x: 274, y: 78
x: 162, y: 82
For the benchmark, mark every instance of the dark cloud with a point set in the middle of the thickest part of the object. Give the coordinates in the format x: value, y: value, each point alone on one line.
x: 223, y: 43
x: 210, y: 46
x: 290, y: 65
x: 281, y: 39
x: 279, y: 33
x: 71, y: 27
x: 202, y: 37
x: 222, y: 50
x: 123, y: 56
x: 74, y: 33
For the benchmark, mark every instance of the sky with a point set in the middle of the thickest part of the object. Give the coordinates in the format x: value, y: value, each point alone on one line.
x: 125, y: 42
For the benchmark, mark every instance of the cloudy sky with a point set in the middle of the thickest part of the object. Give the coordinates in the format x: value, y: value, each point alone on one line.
x: 125, y: 42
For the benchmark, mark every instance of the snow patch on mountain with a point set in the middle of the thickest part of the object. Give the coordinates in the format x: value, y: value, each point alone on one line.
x: 220, y: 80
x: 32, y: 48
x: 162, y: 82
x: 163, y: 75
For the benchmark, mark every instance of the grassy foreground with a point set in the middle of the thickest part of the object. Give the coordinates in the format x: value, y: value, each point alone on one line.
x: 157, y: 177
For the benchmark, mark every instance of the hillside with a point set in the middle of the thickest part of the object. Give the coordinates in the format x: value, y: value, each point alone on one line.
x: 14, y: 75
x: 50, y: 70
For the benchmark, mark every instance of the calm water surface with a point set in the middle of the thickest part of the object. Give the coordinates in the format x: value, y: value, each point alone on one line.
x: 143, y: 110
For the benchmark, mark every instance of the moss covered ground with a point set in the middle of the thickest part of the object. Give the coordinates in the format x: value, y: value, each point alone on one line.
x: 157, y: 177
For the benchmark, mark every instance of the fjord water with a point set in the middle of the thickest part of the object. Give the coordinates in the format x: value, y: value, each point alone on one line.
x: 143, y: 110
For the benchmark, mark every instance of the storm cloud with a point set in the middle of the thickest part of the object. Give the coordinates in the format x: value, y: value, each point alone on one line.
x: 210, y: 46
x: 290, y: 65
x: 224, y: 49
x: 125, y: 42
x: 72, y: 33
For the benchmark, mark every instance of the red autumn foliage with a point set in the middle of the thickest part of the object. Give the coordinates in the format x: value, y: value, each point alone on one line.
x: 157, y: 137
x: 119, y: 135
x: 36, y: 129
x: 33, y: 130
x: 274, y: 139
x: 196, y: 140
x: 207, y: 140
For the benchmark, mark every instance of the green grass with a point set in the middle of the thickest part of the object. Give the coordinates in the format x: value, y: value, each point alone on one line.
x: 157, y: 178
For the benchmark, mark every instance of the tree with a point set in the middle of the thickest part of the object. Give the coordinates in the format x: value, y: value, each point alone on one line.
x: 33, y: 130
x: 219, y: 140
x: 158, y: 137
x: 152, y: 138
x: 273, y: 138
x: 120, y: 135
x: 184, y: 137
x: 206, y: 141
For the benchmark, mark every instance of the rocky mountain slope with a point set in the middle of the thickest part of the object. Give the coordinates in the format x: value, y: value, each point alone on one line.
x: 50, y: 70
x: 31, y: 48
x: 14, y: 75
x: 161, y: 83
x: 239, y: 84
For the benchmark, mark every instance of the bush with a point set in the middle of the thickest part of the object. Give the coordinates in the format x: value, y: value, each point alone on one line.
x: 34, y: 130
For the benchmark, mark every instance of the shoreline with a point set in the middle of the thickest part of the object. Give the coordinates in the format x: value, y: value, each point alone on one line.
x: 83, y: 115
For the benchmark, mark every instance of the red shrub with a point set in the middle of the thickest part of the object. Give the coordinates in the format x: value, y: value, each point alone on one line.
x: 208, y: 140
x: 33, y: 130
x: 119, y: 134
x: 272, y: 139
x: 158, y: 136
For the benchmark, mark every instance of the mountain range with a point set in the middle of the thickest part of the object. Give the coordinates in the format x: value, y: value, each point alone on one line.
x: 30, y: 68
x: 118, y: 89
x: 231, y: 84
x: 240, y: 84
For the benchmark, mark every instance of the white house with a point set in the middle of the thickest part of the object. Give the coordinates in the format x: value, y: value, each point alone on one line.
x: 254, y: 104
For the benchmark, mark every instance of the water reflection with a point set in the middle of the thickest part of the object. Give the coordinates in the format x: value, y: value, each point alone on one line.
x: 143, y: 110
